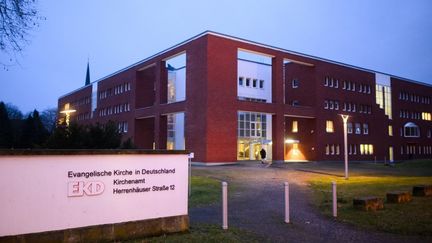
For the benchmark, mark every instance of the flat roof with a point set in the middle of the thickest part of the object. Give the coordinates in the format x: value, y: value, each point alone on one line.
x: 209, y: 32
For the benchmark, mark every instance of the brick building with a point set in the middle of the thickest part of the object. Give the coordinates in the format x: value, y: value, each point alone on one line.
x: 225, y: 98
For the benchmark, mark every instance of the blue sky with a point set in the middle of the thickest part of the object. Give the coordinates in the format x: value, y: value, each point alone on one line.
x: 391, y: 36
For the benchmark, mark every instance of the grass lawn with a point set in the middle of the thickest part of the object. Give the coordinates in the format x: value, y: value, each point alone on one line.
x: 410, y: 218
x: 207, y: 233
x: 205, y: 191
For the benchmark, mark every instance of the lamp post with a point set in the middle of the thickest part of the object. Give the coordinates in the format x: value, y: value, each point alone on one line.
x: 67, y: 110
x: 345, y: 119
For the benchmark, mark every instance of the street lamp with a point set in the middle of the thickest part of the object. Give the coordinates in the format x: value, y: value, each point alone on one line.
x: 67, y: 110
x: 345, y: 119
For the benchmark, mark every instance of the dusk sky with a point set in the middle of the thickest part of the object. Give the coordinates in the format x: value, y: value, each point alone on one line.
x: 390, y: 36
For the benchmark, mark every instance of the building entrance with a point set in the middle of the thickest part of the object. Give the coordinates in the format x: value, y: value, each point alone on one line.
x: 250, y: 149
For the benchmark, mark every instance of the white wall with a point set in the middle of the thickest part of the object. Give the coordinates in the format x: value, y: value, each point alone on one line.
x: 258, y: 71
x: 382, y: 79
x: 179, y: 142
x: 36, y: 191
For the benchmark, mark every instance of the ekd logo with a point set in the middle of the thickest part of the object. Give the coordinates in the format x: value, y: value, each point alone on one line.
x: 89, y: 188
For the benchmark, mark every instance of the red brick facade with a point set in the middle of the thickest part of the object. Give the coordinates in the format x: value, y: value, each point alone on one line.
x: 212, y: 104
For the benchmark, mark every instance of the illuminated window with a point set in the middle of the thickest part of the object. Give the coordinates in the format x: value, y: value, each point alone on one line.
x: 295, y: 126
x: 426, y: 116
x: 329, y: 126
x: 390, y: 130
x: 366, y: 149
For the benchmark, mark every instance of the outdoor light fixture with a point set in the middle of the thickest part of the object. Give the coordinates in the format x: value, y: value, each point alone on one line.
x: 67, y: 110
x: 345, y: 120
x: 291, y: 141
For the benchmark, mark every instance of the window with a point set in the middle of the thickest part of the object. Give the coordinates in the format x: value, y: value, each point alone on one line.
x: 344, y: 85
x: 261, y: 84
x: 365, y: 128
x: 429, y: 134
x: 336, y: 105
x: 337, y: 149
x: 357, y: 128
x: 295, y: 83
x: 295, y: 126
x: 254, y: 83
x: 426, y: 116
x: 331, y: 105
x: 411, y: 130
x: 326, y: 104
x: 336, y: 83
x: 295, y: 103
x: 327, y: 149
x: 241, y: 81
x: 366, y: 149
x: 390, y: 130
x: 326, y: 81
x: 247, y: 82
x: 349, y: 127
x: 252, y: 125
x: 176, y: 78
x: 329, y: 126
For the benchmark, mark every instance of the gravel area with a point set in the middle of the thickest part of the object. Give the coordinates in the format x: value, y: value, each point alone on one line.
x: 258, y: 206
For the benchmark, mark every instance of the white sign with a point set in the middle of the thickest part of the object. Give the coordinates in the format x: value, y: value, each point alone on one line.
x: 45, y: 193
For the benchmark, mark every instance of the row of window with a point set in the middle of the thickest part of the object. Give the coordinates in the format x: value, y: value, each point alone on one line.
x: 365, y: 149
x: 332, y: 149
x: 415, y: 115
x: 347, y: 106
x: 114, y: 109
x: 347, y: 85
x: 251, y: 82
x: 411, y: 149
x: 414, y: 98
x: 118, y: 89
x: 83, y: 116
x: 122, y: 127
x: 358, y: 128
x: 82, y: 101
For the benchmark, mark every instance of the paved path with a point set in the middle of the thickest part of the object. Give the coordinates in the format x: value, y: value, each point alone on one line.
x: 258, y: 206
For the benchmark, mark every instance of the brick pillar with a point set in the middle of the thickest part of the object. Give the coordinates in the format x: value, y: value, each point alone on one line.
x: 278, y: 137
x: 278, y: 120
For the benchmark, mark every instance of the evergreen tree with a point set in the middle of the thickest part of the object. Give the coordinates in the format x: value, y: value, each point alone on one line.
x: 6, y: 131
x: 33, y: 133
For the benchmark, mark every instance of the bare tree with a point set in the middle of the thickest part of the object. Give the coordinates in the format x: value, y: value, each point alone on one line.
x: 49, y: 119
x: 17, y: 18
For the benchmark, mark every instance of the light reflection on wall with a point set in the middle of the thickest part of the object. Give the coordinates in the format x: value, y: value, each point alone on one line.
x: 293, y: 153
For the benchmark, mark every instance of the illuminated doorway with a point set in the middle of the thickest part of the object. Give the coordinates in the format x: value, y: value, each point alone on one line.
x: 293, y: 151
